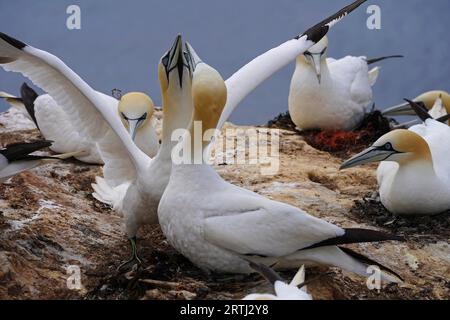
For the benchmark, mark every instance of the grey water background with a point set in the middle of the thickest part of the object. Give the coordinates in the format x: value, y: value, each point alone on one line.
x: 121, y: 42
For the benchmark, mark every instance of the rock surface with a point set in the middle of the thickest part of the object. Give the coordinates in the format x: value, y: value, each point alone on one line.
x: 49, y: 221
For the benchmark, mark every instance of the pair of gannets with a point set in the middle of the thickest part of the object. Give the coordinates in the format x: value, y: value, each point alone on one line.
x: 138, y: 200
x: 436, y: 101
x: 73, y: 131
x: 221, y: 227
x: 414, y: 173
x: 18, y: 157
x: 295, y: 290
x: 330, y: 94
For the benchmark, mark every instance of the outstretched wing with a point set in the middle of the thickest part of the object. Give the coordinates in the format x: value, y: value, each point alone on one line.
x: 249, y: 77
x: 92, y: 112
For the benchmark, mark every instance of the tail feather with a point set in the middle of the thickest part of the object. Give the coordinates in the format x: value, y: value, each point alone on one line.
x: 29, y: 96
x: 375, y: 60
x: 342, y: 258
x: 373, y: 75
x: 103, y: 192
x: 367, y: 261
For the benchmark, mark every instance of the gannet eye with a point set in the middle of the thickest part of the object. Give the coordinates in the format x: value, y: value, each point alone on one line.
x: 388, y: 147
x: 323, y: 51
x: 144, y: 116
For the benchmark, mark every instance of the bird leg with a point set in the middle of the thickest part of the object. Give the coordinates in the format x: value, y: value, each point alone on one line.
x: 134, y: 260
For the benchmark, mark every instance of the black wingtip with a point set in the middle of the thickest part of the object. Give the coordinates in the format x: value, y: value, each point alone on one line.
x: 420, y: 110
x: 29, y: 96
x: 12, y: 41
x: 317, y: 32
x: 444, y: 119
x: 352, y: 236
x: 21, y: 151
x: 375, y: 60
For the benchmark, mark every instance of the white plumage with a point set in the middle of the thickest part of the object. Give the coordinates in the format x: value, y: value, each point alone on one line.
x: 285, y: 291
x: 339, y: 100
x: 231, y: 225
x: 414, y: 177
x: 57, y: 125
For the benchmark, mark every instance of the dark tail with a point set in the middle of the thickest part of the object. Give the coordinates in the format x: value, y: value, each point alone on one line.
x: 357, y: 236
x: 363, y: 259
x: 28, y: 98
x: 375, y: 60
x: 21, y: 151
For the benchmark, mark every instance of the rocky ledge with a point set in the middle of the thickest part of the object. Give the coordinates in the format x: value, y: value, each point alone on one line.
x: 50, y: 224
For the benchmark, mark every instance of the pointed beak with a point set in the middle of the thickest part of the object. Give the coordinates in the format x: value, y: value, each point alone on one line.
x: 372, y: 154
x: 316, y: 61
x: 177, y: 60
x: 133, y: 126
x: 192, y: 57
x: 399, y: 110
x: 406, y: 124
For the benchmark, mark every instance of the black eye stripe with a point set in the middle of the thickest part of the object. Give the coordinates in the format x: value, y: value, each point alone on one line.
x: 142, y: 118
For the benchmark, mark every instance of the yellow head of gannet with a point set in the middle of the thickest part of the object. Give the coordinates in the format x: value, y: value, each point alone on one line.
x: 135, y: 110
x: 316, y: 55
x: 401, y: 146
x: 428, y: 99
x: 209, y: 92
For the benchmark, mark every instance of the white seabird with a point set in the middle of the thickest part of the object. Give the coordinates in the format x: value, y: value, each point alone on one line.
x: 330, y: 94
x: 220, y: 227
x: 414, y: 173
x: 59, y: 125
x: 436, y: 101
x: 429, y: 99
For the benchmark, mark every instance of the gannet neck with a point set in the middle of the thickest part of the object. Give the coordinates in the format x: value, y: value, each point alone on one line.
x: 177, y: 112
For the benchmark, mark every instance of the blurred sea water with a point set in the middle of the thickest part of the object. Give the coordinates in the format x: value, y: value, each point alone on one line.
x: 120, y: 42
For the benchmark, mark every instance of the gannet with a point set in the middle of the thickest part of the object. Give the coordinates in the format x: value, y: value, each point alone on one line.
x: 431, y: 99
x: 330, y: 94
x: 220, y: 227
x: 414, y: 173
x: 130, y: 164
x: 17, y: 157
x: 133, y: 182
x: 295, y: 290
x: 57, y: 124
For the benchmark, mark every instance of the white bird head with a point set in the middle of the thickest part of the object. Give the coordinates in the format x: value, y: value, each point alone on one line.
x: 316, y: 55
x: 401, y: 146
x: 135, y: 110
x: 209, y: 91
